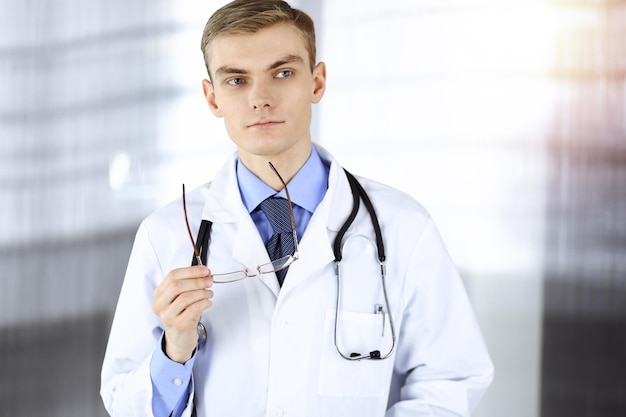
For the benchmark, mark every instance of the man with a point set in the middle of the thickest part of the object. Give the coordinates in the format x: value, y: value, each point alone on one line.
x: 323, y: 333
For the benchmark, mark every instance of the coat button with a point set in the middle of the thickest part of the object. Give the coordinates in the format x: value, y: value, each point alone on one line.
x: 278, y: 412
x: 281, y: 323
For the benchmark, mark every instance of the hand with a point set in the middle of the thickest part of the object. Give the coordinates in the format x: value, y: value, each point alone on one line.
x: 179, y: 301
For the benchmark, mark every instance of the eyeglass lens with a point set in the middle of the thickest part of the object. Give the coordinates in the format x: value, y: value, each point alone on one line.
x: 268, y: 268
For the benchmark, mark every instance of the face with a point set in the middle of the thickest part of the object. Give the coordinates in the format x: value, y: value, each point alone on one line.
x: 263, y: 87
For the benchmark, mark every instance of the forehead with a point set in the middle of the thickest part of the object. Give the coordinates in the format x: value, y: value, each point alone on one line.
x: 258, y: 49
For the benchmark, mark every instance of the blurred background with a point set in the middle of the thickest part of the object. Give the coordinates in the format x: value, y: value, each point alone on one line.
x: 505, y: 119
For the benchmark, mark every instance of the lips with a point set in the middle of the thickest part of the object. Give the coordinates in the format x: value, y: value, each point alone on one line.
x: 264, y: 124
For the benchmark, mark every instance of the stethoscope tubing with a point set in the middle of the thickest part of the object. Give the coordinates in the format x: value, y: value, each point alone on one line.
x: 358, y: 194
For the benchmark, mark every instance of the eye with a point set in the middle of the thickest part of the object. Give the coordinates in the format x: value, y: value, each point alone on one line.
x: 284, y: 74
x: 235, y: 81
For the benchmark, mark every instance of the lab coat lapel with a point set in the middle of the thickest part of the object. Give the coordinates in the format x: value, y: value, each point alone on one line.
x: 224, y: 205
x: 315, y: 253
x: 316, y: 244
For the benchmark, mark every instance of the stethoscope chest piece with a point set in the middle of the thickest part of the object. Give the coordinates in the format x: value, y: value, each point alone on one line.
x: 202, y: 336
x: 358, y: 194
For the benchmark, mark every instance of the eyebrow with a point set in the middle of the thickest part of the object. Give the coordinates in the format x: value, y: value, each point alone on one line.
x: 287, y: 59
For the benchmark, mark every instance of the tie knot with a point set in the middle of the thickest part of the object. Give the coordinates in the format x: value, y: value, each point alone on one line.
x: 276, y: 210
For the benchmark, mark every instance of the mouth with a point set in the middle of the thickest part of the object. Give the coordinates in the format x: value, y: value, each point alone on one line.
x: 265, y: 124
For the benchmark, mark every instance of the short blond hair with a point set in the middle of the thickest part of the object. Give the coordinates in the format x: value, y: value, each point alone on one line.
x: 242, y: 17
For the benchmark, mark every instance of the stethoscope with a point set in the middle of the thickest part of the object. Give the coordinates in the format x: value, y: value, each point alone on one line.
x: 358, y: 194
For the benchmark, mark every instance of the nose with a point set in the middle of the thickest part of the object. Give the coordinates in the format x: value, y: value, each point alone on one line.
x: 261, y: 96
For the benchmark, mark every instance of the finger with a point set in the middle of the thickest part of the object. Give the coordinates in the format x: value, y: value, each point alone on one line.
x: 189, y: 272
x: 193, y: 311
x: 182, y: 328
x: 167, y: 292
x: 181, y: 280
x: 184, y: 275
x: 188, y: 300
x: 173, y: 288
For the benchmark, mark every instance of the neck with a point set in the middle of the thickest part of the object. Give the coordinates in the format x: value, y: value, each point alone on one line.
x: 286, y: 163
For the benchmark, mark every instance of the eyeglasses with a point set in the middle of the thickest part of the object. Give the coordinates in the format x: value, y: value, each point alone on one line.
x: 267, y: 268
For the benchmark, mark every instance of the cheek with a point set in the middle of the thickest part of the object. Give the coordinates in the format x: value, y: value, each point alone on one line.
x: 228, y: 101
x: 230, y: 111
x: 302, y: 105
x: 299, y: 103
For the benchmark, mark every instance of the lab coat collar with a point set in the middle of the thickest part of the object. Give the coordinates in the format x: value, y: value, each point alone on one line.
x: 316, y: 244
x: 224, y: 205
x: 222, y: 200
x: 337, y: 203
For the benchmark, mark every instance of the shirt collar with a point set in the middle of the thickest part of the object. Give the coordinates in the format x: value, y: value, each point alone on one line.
x: 306, y: 189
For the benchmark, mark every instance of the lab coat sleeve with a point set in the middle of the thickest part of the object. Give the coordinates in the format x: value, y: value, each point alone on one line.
x: 126, y: 385
x: 442, y: 362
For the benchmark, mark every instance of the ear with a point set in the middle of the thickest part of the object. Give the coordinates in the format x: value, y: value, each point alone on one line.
x: 209, y: 94
x: 319, y: 82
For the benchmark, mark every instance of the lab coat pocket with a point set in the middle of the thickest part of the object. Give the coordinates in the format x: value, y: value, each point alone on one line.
x: 356, y: 333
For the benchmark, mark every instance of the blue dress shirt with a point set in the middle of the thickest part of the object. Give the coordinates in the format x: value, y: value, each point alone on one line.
x: 171, y: 381
x: 306, y: 189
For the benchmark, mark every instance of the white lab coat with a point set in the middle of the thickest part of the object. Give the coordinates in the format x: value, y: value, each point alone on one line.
x: 271, y: 350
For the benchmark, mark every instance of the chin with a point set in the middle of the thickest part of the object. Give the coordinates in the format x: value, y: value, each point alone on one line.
x: 266, y: 146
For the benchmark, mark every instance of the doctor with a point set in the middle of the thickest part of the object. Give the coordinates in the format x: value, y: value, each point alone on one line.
x: 371, y: 335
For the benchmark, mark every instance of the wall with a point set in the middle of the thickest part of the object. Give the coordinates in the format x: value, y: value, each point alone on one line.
x: 506, y: 120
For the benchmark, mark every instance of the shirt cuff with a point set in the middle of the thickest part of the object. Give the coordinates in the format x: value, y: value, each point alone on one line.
x: 171, y: 382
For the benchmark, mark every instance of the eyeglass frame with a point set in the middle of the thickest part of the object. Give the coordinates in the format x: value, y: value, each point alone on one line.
x: 245, y: 273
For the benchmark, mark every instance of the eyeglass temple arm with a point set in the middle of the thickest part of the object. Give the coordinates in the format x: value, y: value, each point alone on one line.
x: 195, y: 249
x: 293, y: 223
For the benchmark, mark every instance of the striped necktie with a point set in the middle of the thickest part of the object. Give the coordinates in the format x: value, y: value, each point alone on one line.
x: 276, y: 210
